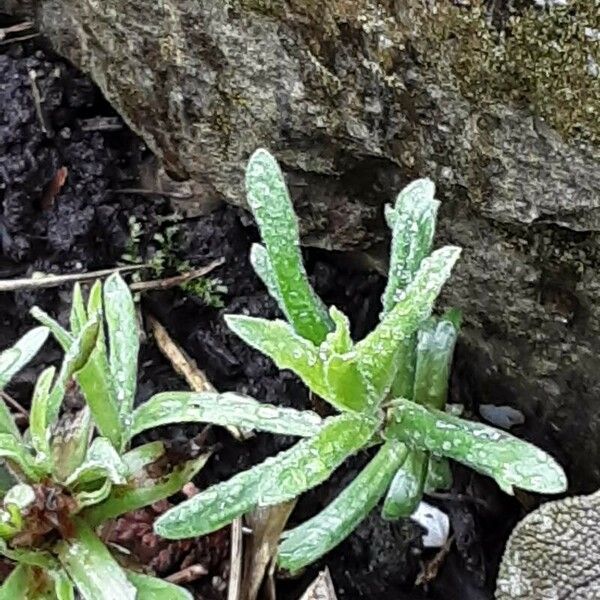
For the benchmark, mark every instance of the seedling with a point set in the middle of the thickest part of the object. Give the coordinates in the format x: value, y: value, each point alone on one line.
x: 389, y: 388
x: 66, y: 481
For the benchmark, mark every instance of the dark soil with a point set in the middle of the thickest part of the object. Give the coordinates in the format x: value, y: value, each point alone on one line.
x: 85, y: 225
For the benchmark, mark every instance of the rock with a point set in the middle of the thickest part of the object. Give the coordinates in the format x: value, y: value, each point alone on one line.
x: 553, y: 553
x: 356, y: 98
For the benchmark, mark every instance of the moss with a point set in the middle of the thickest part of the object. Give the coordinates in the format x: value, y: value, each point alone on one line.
x: 543, y: 59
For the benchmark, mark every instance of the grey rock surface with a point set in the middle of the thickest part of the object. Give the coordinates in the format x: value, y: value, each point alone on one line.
x: 355, y: 100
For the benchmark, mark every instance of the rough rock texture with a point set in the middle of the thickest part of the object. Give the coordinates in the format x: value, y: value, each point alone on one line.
x: 356, y: 98
x: 554, y: 552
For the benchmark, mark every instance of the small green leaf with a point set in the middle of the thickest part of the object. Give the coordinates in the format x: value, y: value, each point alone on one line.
x: 278, y: 479
x: 378, y: 352
x: 13, y: 360
x: 70, y: 443
x: 62, y: 336
x: 227, y: 409
x: 317, y: 536
x: 259, y: 259
x: 339, y: 341
x: 13, y: 449
x: 143, y: 491
x: 90, y: 565
x: 510, y: 461
x: 34, y: 558
x: 123, y: 340
x: 406, y: 489
x: 78, y: 317
x: 413, y: 220
x: 101, y: 462
x: 38, y: 415
x: 274, y: 214
x: 439, y: 475
x: 345, y: 383
x: 137, y: 459
x: 152, y: 588
x: 63, y: 586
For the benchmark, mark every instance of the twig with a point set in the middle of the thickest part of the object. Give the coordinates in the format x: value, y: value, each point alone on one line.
x: 145, y: 192
x: 101, y: 124
x: 235, y: 570
x: 163, y: 284
x: 22, y: 38
x: 187, y: 575
x: 17, y: 28
x: 429, y: 570
x: 37, y: 100
x: 47, y: 281
x: 10, y: 400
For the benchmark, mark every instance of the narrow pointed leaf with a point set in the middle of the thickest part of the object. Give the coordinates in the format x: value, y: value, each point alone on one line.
x: 259, y: 259
x: 317, y: 536
x: 339, y: 341
x: 274, y: 214
x: 123, y: 340
x: 63, y: 586
x: 62, y: 336
x: 139, y: 458
x: 228, y: 409
x: 39, y: 412
x: 90, y: 565
x: 406, y: 489
x: 510, y: 461
x: 377, y: 352
x: 13, y: 360
x: 412, y: 236
x: 152, y: 588
x: 14, y: 450
x: 78, y: 317
x: 70, y: 442
x: 278, y: 479
x: 101, y: 462
x: 143, y: 491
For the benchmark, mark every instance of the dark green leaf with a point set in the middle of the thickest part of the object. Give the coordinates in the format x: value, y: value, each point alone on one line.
x: 227, y: 409
x: 317, y: 536
x: 406, y: 489
x: 439, y: 475
x: 152, y: 588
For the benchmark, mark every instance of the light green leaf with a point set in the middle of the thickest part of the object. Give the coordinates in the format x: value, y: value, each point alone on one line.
x: 510, y: 461
x: 339, y: 341
x: 35, y: 558
x: 278, y: 479
x: 62, y: 336
x: 13, y: 360
x: 101, y: 462
x: 317, y: 536
x: 13, y: 449
x: 274, y: 214
x: 123, y: 340
x: 406, y: 489
x: 78, y: 317
x: 90, y: 565
x: 259, y: 259
x: 137, y: 459
x: 63, y: 586
x: 413, y: 222
x: 143, y: 491
x: 345, y: 383
x: 227, y: 409
x: 70, y: 443
x: 16, y: 584
x: 152, y: 588
x: 377, y: 353
x: 38, y: 415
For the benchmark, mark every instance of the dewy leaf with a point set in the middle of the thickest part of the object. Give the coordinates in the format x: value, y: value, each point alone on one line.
x: 439, y: 475
x: 62, y: 336
x: 278, y: 479
x: 13, y: 449
x: 70, y: 442
x: 152, y: 588
x: 13, y: 360
x: 78, y: 317
x: 274, y: 214
x: 227, y: 409
x: 137, y: 459
x: 376, y: 354
x: 412, y: 235
x: 510, y: 461
x: 123, y: 340
x: 39, y: 411
x: 406, y: 489
x: 90, y: 565
x: 259, y: 259
x: 140, y: 492
x: 339, y: 340
x: 317, y: 536
x: 102, y: 461
x: 345, y: 383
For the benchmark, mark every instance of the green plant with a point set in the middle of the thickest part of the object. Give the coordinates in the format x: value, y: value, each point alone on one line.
x: 389, y: 387
x: 66, y: 481
x: 209, y: 289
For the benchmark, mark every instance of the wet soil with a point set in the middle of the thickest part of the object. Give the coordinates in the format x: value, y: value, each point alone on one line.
x: 85, y: 224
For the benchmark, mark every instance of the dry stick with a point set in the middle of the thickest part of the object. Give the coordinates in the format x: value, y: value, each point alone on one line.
x: 37, y: 100
x: 47, y: 281
x: 17, y: 28
x: 10, y: 400
x: 22, y: 38
x: 234, y: 587
x: 169, y: 282
x: 187, y: 575
x: 145, y: 192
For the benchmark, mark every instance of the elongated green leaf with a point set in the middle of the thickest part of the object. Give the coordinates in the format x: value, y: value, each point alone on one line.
x: 137, y: 459
x: 16, y: 584
x: 227, y: 409
x: 63, y: 586
x: 13, y: 360
x: 317, y: 536
x: 14, y: 450
x: 412, y: 235
x: 152, y: 588
x: 70, y: 443
x: 274, y: 214
x: 510, y: 461
x: 339, y: 341
x: 406, y: 489
x: 78, y: 317
x: 101, y: 462
x: 90, y: 565
x: 259, y: 259
x: 376, y: 354
x: 345, y: 384
x: 38, y: 415
x: 35, y: 558
x: 123, y: 340
x: 278, y: 479
x: 95, y: 380
x: 143, y: 491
